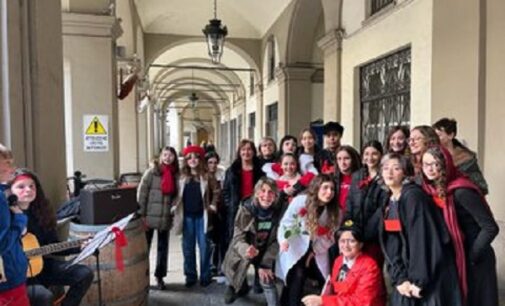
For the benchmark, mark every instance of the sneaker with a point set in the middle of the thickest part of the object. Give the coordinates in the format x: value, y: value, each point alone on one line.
x: 190, y: 283
x: 257, y: 286
x: 244, y: 290
x: 160, y: 283
x: 229, y: 295
x: 205, y: 283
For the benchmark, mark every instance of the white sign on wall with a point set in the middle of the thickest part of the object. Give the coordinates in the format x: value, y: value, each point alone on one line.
x: 96, y: 133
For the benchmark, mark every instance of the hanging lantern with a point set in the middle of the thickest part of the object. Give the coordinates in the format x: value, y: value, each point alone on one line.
x: 215, y: 34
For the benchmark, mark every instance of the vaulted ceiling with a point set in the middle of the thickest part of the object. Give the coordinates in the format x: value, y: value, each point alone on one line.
x: 244, y: 18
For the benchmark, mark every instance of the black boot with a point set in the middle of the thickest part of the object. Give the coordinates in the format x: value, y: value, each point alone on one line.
x: 229, y: 295
x: 161, y: 284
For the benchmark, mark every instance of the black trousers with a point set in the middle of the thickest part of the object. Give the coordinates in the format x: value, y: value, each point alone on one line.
x: 293, y: 292
x: 162, y: 252
x: 77, y: 277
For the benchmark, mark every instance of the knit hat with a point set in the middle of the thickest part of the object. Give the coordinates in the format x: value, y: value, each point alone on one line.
x: 194, y: 149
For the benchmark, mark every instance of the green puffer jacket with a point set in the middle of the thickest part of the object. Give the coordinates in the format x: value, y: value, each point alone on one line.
x: 151, y: 202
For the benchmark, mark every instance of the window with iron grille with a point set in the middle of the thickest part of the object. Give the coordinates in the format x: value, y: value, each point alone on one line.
x: 271, y: 59
x: 239, y: 127
x: 233, y: 137
x: 385, y: 95
x: 251, y: 84
x: 224, y: 149
x: 377, y: 5
x: 271, y: 125
x: 252, y: 126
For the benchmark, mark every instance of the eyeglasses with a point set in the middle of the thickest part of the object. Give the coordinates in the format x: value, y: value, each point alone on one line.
x: 432, y: 165
x: 417, y: 139
x: 350, y: 241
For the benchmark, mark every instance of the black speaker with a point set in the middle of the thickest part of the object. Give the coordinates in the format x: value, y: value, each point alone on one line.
x: 106, y: 206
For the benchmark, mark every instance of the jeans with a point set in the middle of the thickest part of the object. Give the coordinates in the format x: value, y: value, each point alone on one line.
x: 193, y: 232
x: 77, y: 277
x: 162, y: 252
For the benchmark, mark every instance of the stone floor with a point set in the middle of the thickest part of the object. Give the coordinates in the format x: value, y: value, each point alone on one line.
x: 177, y: 294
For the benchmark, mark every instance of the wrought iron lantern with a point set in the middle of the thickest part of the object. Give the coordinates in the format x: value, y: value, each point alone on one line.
x: 215, y: 34
x: 193, y: 98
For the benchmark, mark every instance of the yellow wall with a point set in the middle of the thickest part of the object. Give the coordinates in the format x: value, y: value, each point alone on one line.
x: 455, y: 66
x: 494, y: 168
x: 406, y: 24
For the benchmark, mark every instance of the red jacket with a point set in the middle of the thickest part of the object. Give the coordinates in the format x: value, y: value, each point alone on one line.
x: 363, y: 285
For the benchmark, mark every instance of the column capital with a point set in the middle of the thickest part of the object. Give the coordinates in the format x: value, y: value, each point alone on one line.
x: 293, y: 73
x: 91, y: 25
x: 332, y: 41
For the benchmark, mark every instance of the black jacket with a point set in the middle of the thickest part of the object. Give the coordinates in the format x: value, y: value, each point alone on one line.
x: 364, y: 200
x: 231, y: 191
x: 479, y: 228
x: 421, y: 252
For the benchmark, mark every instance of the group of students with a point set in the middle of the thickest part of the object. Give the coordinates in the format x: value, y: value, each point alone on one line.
x: 29, y: 211
x: 333, y: 215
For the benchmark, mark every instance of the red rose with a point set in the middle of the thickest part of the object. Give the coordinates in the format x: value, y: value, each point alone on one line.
x: 302, y: 212
x: 322, y: 230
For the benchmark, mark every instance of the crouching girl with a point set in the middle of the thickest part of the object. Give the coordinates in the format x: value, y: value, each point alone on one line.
x: 254, y: 242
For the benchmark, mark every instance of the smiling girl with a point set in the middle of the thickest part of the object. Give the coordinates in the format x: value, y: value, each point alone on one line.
x: 254, y: 242
x: 305, y: 235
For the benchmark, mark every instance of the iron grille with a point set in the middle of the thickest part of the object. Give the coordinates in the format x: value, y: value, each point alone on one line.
x: 385, y: 95
x: 377, y: 5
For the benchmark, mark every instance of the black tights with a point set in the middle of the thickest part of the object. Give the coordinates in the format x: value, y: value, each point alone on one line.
x: 293, y: 292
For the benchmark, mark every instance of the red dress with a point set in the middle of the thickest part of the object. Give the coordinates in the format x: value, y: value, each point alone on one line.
x: 363, y: 285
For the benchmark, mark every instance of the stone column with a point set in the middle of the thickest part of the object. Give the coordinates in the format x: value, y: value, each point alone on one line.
x: 331, y: 44
x: 32, y: 112
x: 258, y: 92
x: 295, y: 88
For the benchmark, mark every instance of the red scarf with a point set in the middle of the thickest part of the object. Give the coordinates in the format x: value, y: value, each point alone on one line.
x: 455, y: 180
x: 167, y: 179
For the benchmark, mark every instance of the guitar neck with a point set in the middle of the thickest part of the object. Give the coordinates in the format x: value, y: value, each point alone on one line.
x: 53, y: 248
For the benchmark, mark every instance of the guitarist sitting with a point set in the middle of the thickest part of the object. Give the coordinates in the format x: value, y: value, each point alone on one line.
x: 42, y: 223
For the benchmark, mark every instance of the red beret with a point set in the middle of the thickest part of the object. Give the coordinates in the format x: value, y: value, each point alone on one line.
x: 194, y: 149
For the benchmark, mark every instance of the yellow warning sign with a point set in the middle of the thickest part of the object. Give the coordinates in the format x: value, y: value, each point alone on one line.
x: 96, y: 128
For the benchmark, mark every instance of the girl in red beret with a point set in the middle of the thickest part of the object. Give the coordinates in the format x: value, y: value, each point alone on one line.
x: 197, y: 198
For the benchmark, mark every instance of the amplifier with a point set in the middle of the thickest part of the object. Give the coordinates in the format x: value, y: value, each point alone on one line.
x: 105, y: 206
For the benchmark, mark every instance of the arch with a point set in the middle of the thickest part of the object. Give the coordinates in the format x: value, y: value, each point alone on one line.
x: 231, y: 45
x: 303, y: 23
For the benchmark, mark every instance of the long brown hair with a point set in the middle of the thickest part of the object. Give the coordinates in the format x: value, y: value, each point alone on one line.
x: 313, y: 207
x: 440, y: 184
x: 201, y: 169
x: 40, y: 206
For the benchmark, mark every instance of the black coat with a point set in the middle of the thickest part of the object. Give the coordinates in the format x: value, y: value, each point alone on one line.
x: 421, y: 252
x: 479, y: 228
x: 231, y: 192
x: 364, y: 202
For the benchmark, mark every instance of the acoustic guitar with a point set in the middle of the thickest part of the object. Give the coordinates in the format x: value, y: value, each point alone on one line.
x: 34, y: 251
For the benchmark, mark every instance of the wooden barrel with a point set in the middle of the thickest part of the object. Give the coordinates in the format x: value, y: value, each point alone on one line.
x: 127, y: 288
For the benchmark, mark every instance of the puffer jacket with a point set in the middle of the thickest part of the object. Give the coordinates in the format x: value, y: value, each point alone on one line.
x: 153, y: 207
x: 235, y: 264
